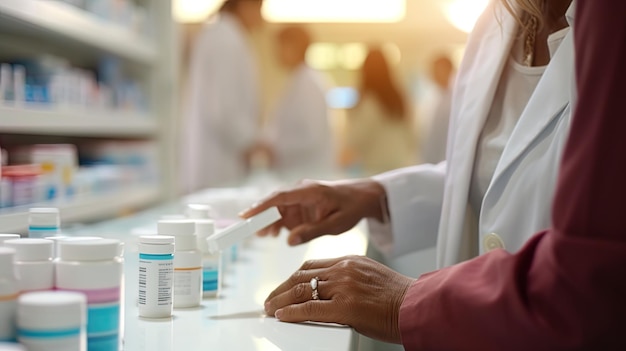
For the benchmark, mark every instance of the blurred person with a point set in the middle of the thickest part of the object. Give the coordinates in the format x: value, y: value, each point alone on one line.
x: 299, y: 136
x: 436, y: 137
x: 222, y: 111
x: 511, y: 111
x: 379, y: 131
x: 562, y: 291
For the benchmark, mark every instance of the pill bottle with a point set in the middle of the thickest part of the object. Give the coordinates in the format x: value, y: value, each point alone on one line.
x: 94, y: 268
x: 52, y: 321
x: 9, y: 290
x: 43, y: 222
x: 55, y: 239
x: 156, y: 276
x: 5, y: 237
x: 187, y: 262
x: 211, y: 263
x: 199, y: 211
x: 33, y: 262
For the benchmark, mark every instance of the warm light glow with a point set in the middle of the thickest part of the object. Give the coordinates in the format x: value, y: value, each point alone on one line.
x: 336, y: 11
x: 322, y: 56
x: 190, y: 11
x: 464, y: 13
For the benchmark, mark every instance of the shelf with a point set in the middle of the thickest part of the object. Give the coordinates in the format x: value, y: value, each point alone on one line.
x: 85, y: 209
x: 76, y: 122
x: 51, y: 20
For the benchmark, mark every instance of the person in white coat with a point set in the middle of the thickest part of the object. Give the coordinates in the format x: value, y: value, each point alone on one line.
x: 299, y: 133
x: 222, y: 110
x: 510, y: 119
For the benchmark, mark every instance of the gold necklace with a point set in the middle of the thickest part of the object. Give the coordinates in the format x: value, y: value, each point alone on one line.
x: 529, y: 43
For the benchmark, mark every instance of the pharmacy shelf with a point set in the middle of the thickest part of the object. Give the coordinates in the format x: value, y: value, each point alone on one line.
x: 54, y: 20
x: 85, y: 209
x: 82, y: 123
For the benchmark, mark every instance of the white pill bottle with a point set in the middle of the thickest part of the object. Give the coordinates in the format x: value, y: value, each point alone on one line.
x: 52, y: 321
x: 211, y: 262
x: 187, y: 262
x: 9, y: 291
x: 33, y: 262
x: 94, y: 268
x: 43, y: 222
x: 156, y: 276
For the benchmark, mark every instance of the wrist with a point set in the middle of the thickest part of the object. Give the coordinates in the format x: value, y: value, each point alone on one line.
x: 373, y: 199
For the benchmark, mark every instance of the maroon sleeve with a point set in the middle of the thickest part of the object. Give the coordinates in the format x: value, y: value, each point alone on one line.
x: 566, y: 289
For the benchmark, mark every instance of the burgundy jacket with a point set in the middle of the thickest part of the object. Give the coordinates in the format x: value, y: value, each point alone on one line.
x: 566, y: 289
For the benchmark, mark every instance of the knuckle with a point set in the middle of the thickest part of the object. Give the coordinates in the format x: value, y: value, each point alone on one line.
x: 307, y: 265
x: 310, y: 308
x: 298, y: 276
x: 298, y: 291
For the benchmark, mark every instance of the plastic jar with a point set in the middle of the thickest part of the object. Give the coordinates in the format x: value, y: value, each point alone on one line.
x: 8, y: 294
x: 199, y: 211
x: 5, y: 237
x: 52, y: 321
x: 211, y: 263
x: 187, y: 262
x: 43, y: 222
x: 94, y: 268
x: 33, y: 262
x: 156, y: 276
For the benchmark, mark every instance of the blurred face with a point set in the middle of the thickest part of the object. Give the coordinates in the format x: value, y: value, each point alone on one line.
x: 250, y: 13
x: 287, y: 55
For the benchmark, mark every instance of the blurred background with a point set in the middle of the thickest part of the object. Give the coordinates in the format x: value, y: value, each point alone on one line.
x: 105, y: 105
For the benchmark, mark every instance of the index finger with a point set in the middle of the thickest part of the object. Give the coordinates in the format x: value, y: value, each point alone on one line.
x: 279, y: 198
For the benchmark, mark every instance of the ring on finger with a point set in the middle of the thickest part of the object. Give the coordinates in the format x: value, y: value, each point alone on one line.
x: 314, y: 284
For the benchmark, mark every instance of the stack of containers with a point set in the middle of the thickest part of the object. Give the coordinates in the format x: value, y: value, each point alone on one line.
x: 199, y: 212
x: 52, y: 321
x: 187, y: 262
x: 94, y: 268
x: 8, y: 294
x: 33, y: 262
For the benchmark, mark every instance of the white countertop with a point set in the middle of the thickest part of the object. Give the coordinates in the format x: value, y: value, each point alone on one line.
x: 235, y: 321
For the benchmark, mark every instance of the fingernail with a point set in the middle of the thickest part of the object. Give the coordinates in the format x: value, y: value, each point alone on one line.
x: 295, y: 241
x: 278, y: 314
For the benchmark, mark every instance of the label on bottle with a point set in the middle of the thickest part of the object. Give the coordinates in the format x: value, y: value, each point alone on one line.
x: 187, y: 286
x: 156, y: 273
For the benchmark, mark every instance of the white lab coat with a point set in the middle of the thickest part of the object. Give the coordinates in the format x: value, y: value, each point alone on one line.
x: 430, y: 199
x: 299, y: 130
x: 222, y: 109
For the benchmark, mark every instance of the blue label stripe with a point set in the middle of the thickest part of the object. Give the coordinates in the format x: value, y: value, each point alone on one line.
x: 36, y: 229
x: 209, y: 279
x: 156, y: 257
x: 103, y: 318
x: 48, y: 334
x: 103, y: 342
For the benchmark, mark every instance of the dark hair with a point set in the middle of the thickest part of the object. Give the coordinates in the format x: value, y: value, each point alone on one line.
x: 376, y: 79
x: 230, y: 5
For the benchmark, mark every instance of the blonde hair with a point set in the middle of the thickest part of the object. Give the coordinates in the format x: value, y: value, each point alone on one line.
x: 523, y: 10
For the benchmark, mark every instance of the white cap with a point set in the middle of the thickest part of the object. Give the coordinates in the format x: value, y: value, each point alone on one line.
x: 184, y: 231
x: 199, y: 211
x: 5, y: 237
x: 204, y: 229
x: 45, y: 217
x: 239, y: 231
x: 8, y: 346
x: 89, y: 250
x: 29, y: 250
x: 156, y: 244
x: 54, y: 310
x: 7, y: 269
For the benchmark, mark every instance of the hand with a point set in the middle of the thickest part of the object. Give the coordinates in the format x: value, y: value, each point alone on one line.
x: 314, y: 209
x: 354, y: 291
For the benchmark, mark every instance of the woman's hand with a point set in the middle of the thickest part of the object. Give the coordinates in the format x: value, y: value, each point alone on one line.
x: 354, y: 291
x: 314, y: 209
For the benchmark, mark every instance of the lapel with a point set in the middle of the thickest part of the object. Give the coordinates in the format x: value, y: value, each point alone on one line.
x: 546, y: 104
x: 474, y: 94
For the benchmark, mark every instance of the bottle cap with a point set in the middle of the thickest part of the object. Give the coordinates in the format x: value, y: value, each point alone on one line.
x: 89, y: 250
x: 239, y: 231
x: 184, y: 231
x: 157, y: 239
x: 199, y: 211
x: 51, y: 310
x: 5, y: 237
x: 157, y: 244
x: 7, y: 269
x: 29, y: 250
x: 44, y: 217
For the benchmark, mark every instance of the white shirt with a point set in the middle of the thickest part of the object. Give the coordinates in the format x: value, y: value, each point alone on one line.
x: 299, y: 130
x: 516, y: 86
